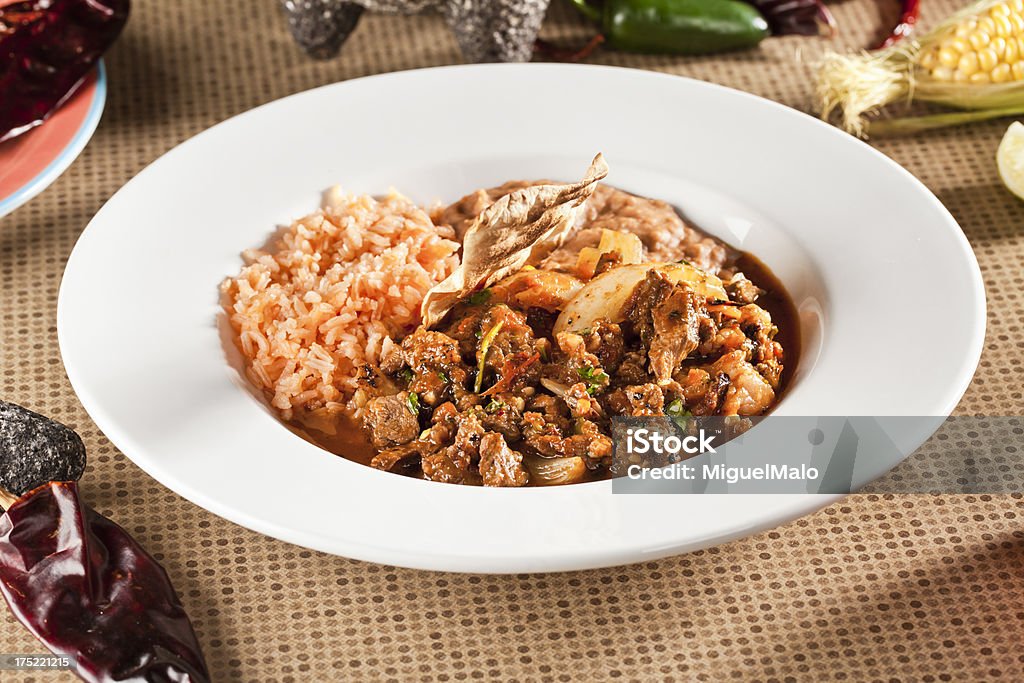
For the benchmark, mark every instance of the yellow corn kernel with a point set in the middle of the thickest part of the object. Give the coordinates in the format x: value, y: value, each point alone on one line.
x: 1018, y: 71
x: 959, y: 77
x: 942, y: 73
x: 968, y: 64
x: 1017, y: 6
x: 987, y: 59
x: 980, y: 78
x: 979, y: 39
x: 999, y: 45
x: 1000, y: 10
x: 1011, y: 52
x: 987, y: 25
x: 948, y: 57
x: 1001, y: 73
x: 929, y: 60
x: 962, y: 31
x: 1020, y: 49
x: 960, y: 45
x: 1003, y: 26
x: 1017, y: 23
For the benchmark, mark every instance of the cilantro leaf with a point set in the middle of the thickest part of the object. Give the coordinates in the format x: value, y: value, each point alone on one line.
x: 595, y: 378
x: 481, y: 297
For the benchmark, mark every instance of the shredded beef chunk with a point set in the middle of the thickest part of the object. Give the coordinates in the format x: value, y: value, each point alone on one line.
x: 544, y: 423
x: 501, y: 339
x: 632, y: 369
x: 592, y: 444
x: 670, y: 319
x: 704, y: 393
x: 543, y: 434
x: 390, y: 421
x: 372, y: 381
x: 426, y: 351
x: 503, y: 414
x: 765, y: 353
x: 677, y: 323
x: 741, y: 290
x: 607, y: 261
x: 399, y: 458
x: 654, y: 289
x: 573, y: 364
x: 605, y: 340
x: 514, y: 337
x: 466, y: 321
x: 553, y: 436
x: 451, y: 465
x: 430, y: 364
x: 499, y: 464
x: 637, y: 401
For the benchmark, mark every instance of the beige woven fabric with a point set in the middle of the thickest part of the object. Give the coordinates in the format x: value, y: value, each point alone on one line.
x: 924, y: 588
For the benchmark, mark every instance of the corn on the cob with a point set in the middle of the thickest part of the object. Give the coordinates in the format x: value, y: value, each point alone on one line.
x: 987, y: 48
x: 974, y: 60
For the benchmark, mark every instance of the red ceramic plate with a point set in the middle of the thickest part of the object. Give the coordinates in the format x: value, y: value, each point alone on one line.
x: 30, y: 162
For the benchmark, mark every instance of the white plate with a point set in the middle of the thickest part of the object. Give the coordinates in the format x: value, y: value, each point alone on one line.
x: 890, y: 295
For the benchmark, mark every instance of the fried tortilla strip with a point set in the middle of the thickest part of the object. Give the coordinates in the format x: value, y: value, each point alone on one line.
x: 503, y: 237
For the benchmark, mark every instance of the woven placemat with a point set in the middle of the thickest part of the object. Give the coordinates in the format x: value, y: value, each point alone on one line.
x: 878, y: 587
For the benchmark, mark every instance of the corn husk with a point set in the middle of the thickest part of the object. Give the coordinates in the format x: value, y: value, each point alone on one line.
x: 856, y: 87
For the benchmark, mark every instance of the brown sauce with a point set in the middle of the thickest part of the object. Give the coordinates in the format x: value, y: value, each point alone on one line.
x: 349, y: 441
x: 777, y: 302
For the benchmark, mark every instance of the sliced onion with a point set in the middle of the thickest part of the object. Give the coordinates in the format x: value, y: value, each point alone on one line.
x: 556, y: 388
x: 605, y: 296
x: 554, y: 471
x: 627, y: 244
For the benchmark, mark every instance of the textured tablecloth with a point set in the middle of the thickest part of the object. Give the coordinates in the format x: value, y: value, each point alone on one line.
x: 927, y: 588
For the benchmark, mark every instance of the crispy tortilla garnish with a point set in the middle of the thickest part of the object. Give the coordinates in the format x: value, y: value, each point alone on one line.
x: 502, y: 238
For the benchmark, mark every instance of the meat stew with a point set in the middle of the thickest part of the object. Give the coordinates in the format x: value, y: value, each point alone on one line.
x: 634, y: 312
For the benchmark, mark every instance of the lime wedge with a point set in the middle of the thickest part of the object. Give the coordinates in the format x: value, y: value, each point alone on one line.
x: 1010, y: 158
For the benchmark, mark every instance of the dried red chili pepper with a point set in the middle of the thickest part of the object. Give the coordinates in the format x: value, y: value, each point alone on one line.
x: 17, y: 13
x: 46, y: 49
x: 89, y: 591
x: 567, y: 54
x: 910, y: 11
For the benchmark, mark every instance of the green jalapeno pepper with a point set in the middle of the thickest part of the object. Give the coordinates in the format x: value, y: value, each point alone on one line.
x: 683, y: 27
